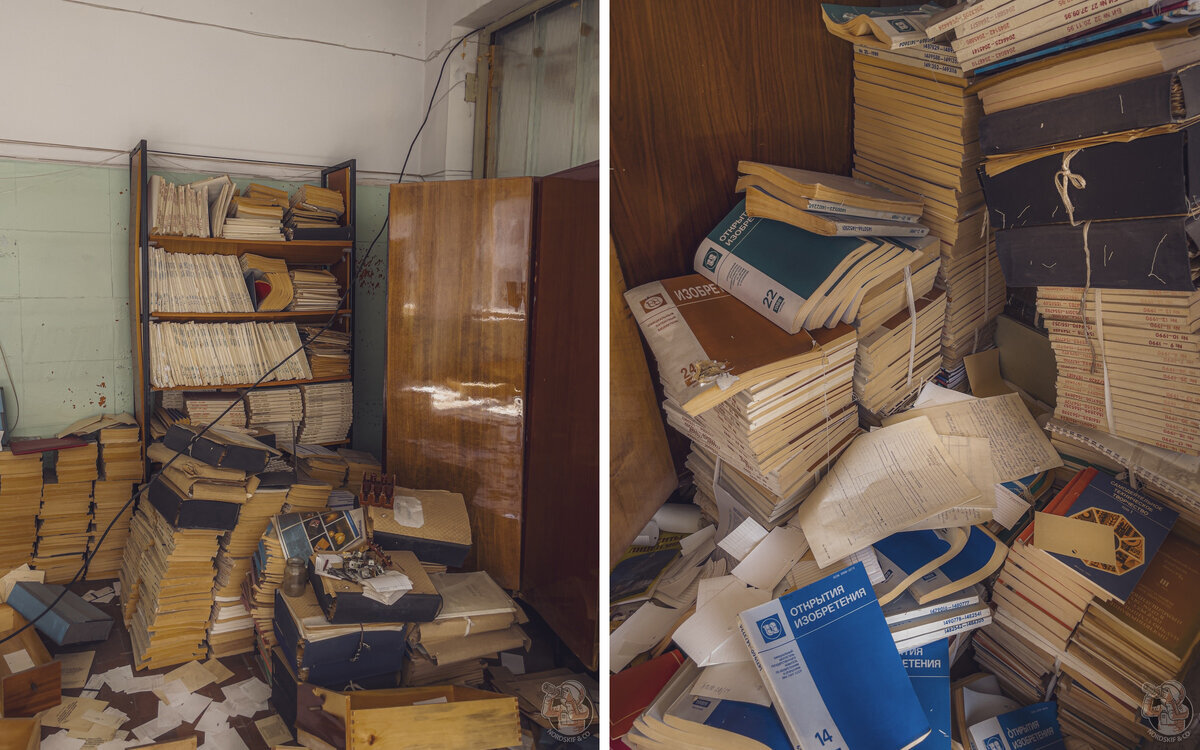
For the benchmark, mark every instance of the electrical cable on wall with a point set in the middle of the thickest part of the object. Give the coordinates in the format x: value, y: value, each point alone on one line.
x: 242, y: 396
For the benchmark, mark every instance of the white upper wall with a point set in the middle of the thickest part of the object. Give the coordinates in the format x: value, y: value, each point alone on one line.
x: 211, y: 78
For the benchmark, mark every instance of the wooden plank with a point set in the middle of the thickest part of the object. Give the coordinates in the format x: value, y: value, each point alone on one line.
x: 466, y: 725
x: 300, y: 252
x: 303, y: 315
x: 20, y: 734
x: 457, y: 321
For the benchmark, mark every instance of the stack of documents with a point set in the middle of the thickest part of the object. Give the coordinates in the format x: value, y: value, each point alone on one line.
x: 328, y: 351
x: 203, y: 354
x: 207, y: 408
x: 328, y: 412
x: 321, y: 463
x: 78, y: 464
x: 916, y: 133
x: 312, y: 207
x: 314, y: 289
x: 279, y: 410
x: 20, y: 500
x: 181, y: 282
x: 121, y: 452
x: 477, y: 620
x: 895, y: 359
x: 172, y: 573
x: 180, y: 210
x: 358, y: 464
x: 231, y: 630
x: 108, y: 498
x: 1127, y: 362
x: 257, y: 214
x: 827, y: 204
x: 64, y: 524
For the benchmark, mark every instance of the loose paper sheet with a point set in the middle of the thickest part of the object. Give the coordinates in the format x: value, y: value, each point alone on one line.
x: 974, y: 457
x: 75, y: 669
x: 69, y: 714
x: 772, y: 558
x: 1019, y: 447
x: 711, y: 635
x: 19, y: 661
x: 219, y: 671
x: 273, y: 730
x: 886, y: 481
x: 735, y: 681
x: 644, y: 628
x: 1075, y: 537
x: 739, y: 542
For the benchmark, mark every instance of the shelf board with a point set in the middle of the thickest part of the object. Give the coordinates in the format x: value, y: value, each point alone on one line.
x: 271, y: 384
x: 304, y: 315
x: 322, y: 252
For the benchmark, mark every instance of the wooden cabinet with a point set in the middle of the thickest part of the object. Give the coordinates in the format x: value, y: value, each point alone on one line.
x: 493, y: 376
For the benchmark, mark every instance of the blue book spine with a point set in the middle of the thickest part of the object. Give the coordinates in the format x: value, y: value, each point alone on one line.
x: 1033, y: 727
x: 825, y: 652
x: 929, y: 669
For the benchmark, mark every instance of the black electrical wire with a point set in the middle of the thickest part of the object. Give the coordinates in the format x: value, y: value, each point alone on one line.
x: 242, y: 397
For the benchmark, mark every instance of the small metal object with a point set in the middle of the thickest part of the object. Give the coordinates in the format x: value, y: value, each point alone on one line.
x: 295, y: 577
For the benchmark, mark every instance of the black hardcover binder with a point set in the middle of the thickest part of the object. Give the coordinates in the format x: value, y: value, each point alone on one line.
x: 1134, y: 254
x: 1154, y: 176
x: 183, y: 513
x: 334, y: 660
x: 218, y: 448
x: 343, y: 602
x: 1173, y: 96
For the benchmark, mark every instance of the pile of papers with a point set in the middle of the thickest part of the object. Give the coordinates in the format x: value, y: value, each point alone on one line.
x: 182, y: 282
x: 1132, y: 370
x: 181, y: 210
x: 312, y: 207
x: 78, y: 464
x: 358, y: 464
x: 167, y: 575
x: 279, y: 410
x: 321, y: 463
x: 109, y: 498
x: 895, y: 359
x: 328, y: 351
x: 256, y: 215
x: 314, y: 289
x: 328, y: 412
x: 207, y: 408
x: 64, y: 524
x: 916, y: 133
x: 20, y: 501
x: 121, y: 453
x: 477, y: 620
x: 204, y: 354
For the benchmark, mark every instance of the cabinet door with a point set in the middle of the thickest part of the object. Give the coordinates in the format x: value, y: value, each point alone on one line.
x: 458, y: 281
x: 560, y: 573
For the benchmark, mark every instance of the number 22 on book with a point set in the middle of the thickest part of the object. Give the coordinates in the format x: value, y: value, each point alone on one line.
x: 773, y: 301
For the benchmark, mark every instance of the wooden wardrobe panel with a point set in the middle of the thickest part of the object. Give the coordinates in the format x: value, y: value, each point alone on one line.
x: 561, y: 568
x: 458, y: 279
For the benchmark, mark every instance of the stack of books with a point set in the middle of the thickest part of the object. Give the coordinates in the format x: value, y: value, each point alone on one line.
x: 181, y: 282
x: 169, y: 572
x: 64, y: 528
x: 314, y: 289
x: 358, y: 465
x: 203, y: 354
x: 1134, y: 370
x: 20, y: 500
x: 985, y: 33
x: 307, y: 495
x: 231, y: 628
x: 257, y: 214
x: 121, y: 453
x: 312, y: 207
x: 206, y: 408
x: 328, y: 412
x: 893, y: 361
x: 776, y: 408
x: 78, y: 464
x: 916, y: 133
x: 1120, y: 649
x: 322, y: 464
x: 328, y: 351
x: 258, y: 588
x: 179, y: 210
x: 279, y: 410
x: 109, y: 497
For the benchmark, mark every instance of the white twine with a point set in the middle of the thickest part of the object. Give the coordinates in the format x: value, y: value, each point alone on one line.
x: 1108, y: 405
x: 912, y: 315
x: 1064, y: 180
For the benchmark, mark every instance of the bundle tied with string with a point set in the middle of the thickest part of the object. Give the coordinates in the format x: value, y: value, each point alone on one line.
x: 1064, y: 180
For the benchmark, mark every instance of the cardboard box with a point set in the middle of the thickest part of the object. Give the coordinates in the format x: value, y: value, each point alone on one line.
x: 30, y: 681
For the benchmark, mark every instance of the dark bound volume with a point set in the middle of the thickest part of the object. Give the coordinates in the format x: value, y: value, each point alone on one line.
x: 1165, y: 98
x: 333, y: 660
x: 1155, y: 176
x: 217, y: 447
x: 1137, y: 254
x: 72, y: 620
x: 323, y: 234
x: 183, y: 513
x: 343, y: 602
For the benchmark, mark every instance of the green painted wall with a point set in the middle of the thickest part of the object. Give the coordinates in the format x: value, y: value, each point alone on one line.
x: 64, y: 296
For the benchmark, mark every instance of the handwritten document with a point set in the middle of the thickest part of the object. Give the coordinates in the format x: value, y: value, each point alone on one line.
x: 886, y: 481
